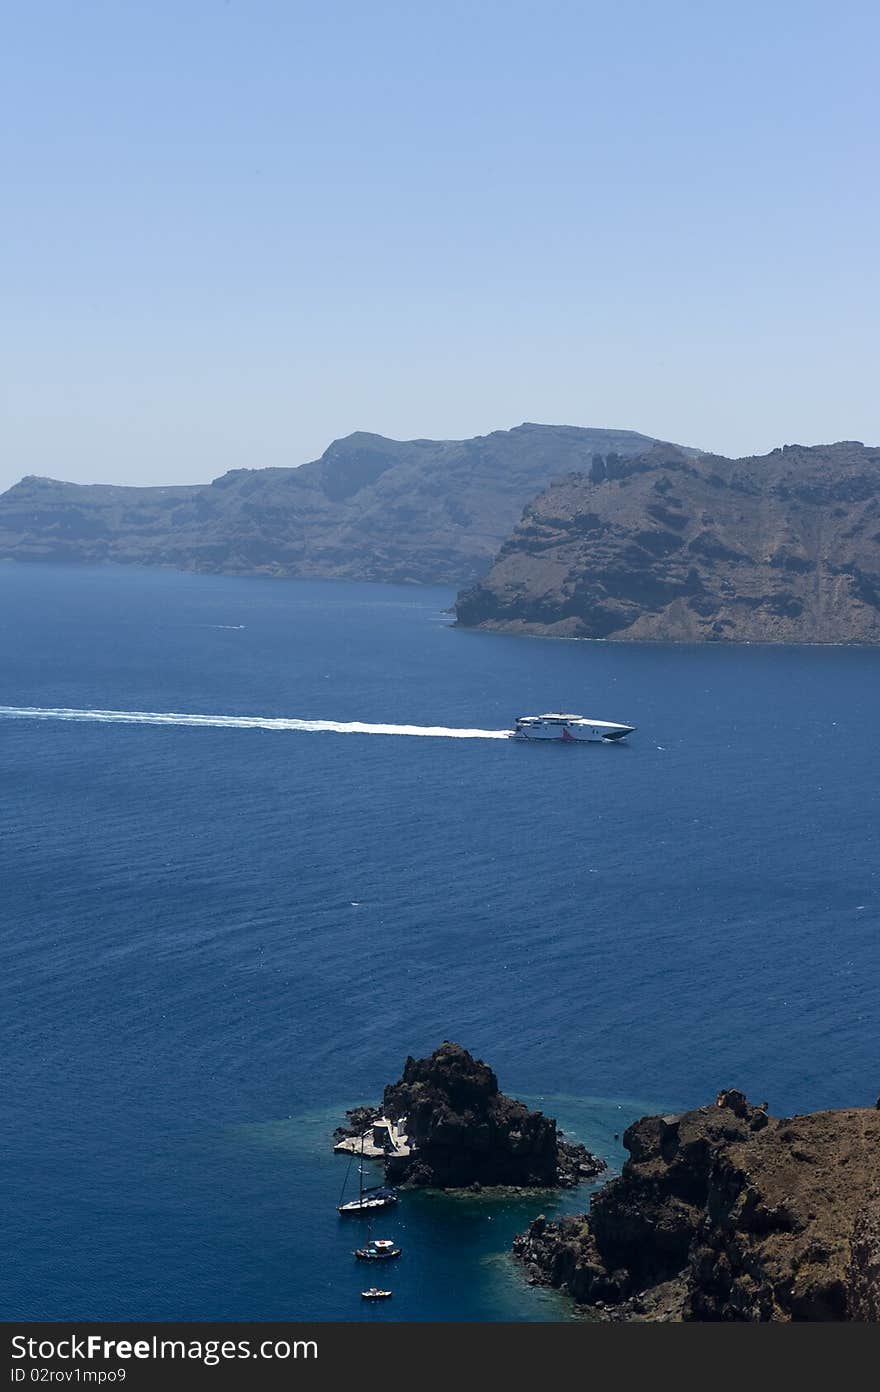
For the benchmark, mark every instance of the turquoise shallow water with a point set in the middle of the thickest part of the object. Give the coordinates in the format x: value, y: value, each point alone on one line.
x: 215, y: 938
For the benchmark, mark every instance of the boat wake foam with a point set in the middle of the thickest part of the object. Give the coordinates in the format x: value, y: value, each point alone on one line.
x: 244, y: 722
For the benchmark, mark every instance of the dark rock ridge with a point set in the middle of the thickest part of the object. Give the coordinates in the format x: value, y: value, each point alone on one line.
x: 368, y: 509
x: 728, y: 1214
x: 464, y: 1132
x: 779, y: 548
x: 358, y: 1122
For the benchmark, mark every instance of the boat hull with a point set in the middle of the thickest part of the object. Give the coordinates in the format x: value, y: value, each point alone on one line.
x: 369, y: 1202
x: 574, y: 734
x: 368, y: 1206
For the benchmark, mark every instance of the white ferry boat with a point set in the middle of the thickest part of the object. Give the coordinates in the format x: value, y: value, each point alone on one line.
x: 571, y: 729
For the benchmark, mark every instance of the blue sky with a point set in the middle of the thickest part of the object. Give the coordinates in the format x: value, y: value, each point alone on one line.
x: 233, y: 231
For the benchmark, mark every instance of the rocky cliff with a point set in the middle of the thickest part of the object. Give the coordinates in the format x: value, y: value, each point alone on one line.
x: 727, y: 1214
x: 779, y: 548
x: 369, y: 509
x: 464, y: 1132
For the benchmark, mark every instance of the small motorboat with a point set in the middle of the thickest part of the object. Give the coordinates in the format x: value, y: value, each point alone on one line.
x: 380, y: 1249
x: 373, y: 1293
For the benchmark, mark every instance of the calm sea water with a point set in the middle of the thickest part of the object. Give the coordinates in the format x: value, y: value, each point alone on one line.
x: 215, y: 939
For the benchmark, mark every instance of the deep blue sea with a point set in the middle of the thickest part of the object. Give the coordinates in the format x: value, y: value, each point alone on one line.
x: 215, y: 939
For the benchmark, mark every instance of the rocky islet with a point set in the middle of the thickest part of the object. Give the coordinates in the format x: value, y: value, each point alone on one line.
x: 727, y: 1214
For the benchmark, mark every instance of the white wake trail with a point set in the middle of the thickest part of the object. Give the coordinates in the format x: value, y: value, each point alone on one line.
x: 244, y: 722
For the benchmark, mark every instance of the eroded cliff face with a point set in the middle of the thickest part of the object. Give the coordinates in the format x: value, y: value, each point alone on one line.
x: 779, y: 548
x: 727, y: 1214
x: 430, y: 511
x: 466, y: 1132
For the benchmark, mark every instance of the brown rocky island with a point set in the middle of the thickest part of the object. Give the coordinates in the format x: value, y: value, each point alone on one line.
x: 463, y: 1132
x: 783, y: 548
x: 727, y: 1214
x: 720, y: 1214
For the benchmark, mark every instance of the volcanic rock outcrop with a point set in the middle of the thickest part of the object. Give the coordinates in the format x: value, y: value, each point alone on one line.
x: 779, y: 548
x: 464, y: 1132
x: 727, y: 1214
x: 431, y: 511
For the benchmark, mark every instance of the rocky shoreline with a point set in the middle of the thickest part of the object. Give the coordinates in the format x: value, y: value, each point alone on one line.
x: 720, y: 1214
x: 399, y: 511
x: 727, y: 1214
x: 465, y: 1134
x: 666, y: 547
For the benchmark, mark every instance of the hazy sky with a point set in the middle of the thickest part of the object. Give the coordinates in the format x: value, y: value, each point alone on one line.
x: 233, y: 231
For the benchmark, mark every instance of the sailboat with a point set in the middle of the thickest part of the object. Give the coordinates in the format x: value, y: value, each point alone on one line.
x: 368, y: 1200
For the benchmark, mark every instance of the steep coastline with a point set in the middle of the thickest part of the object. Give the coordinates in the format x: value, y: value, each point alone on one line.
x: 554, y: 531
x: 664, y: 546
x: 424, y: 511
x: 727, y: 1214
x: 463, y: 1132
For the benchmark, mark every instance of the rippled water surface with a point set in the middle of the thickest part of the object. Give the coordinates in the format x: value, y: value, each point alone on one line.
x: 218, y: 933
